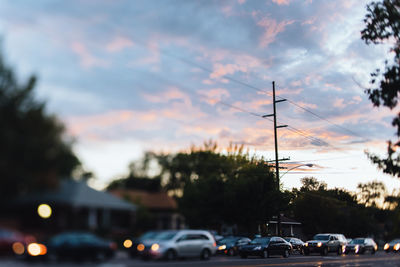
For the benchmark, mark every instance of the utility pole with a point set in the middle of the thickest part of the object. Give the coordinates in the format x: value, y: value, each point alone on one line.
x: 276, y: 150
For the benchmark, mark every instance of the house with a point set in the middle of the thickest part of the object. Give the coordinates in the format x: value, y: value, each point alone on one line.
x: 75, y: 206
x: 161, y: 206
x: 289, y: 227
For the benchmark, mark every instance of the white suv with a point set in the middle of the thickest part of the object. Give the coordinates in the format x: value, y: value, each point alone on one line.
x: 171, y: 244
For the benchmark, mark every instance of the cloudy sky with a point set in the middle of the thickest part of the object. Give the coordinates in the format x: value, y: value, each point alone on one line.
x: 130, y: 76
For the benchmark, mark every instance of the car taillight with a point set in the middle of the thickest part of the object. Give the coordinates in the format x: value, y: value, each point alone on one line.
x: 215, y: 244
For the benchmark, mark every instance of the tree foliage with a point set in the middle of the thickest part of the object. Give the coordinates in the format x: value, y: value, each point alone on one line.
x: 34, y: 153
x: 382, y: 25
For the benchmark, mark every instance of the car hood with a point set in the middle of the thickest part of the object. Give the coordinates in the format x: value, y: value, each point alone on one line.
x: 317, y: 241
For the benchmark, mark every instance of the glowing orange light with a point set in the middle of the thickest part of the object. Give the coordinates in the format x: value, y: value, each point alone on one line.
x: 386, y: 247
x: 397, y: 246
x: 43, y: 249
x: 128, y: 243
x: 18, y: 248
x: 140, y: 247
x: 34, y: 249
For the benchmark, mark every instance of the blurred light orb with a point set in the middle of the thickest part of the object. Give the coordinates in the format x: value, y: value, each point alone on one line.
x: 140, y: 247
x: 34, y: 249
x: 44, y: 211
x: 18, y: 248
x: 128, y: 243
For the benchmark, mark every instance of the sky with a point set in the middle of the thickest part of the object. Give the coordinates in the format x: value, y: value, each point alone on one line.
x: 127, y: 77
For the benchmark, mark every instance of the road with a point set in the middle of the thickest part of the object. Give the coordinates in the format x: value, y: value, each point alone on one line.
x: 122, y: 260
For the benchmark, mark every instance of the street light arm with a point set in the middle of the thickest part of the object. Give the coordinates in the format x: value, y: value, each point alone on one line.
x: 301, y: 165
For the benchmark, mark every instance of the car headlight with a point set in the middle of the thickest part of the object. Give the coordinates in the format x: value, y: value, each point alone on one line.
x: 306, y: 244
x: 222, y: 247
x: 397, y: 246
x: 356, y: 248
x: 319, y: 244
x: 386, y: 247
x: 140, y: 247
x: 257, y: 248
x: 155, y: 247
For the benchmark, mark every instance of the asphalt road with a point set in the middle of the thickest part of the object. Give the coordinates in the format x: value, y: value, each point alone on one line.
x: 122, y: 260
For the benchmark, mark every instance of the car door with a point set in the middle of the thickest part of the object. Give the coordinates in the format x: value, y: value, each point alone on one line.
x: 273, y: 246
x: 183, y: 245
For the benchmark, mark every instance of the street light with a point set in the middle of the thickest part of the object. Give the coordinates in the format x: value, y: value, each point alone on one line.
x: 279, y: 214
x: 301, y: 165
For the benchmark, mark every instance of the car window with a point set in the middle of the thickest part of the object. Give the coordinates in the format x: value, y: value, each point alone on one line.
x: 321, y: 237
x: 260, y: 240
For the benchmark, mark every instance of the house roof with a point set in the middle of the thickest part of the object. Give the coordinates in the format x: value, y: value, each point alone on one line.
x: 150, y: 200
x: 78, y: 194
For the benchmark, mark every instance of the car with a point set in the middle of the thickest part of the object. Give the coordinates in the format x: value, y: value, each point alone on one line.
x: 173, y: 244
x: 230, y: 245
x: 265, y: 247
x: 297, y: 244
x: 325, y: 243
x: 13, y: 242
x: 361, y: 245
x: 392, y: 246
x: 149, y: 235
x: 79, y: 246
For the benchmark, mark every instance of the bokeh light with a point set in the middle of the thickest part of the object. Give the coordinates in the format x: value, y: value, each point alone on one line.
x: 18, y: 248
x: 128, y: 243
x: 44, y: 211
x: 34, y: 249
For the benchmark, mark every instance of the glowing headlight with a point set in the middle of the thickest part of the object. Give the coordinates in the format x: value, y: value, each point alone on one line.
x: 386, y: 247
x: 140, y: 247
x: 376, y: 247
x: 257, y: 248
x: 319, y: 244
x: 356, y: 248
x: 35, y: 249
x: 222, y: 247
x: 397, y: 246
x: 155, y: 247
x: 128, y: 243
x: 306, y: 244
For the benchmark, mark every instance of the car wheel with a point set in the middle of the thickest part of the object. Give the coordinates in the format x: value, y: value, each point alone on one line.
x: 243, y: 256
x: 231, y: 252
x: 324, y: 251
x: 205, y: 254
x: 170, y: 255
x: 286, y: 253
x: 265, y: 254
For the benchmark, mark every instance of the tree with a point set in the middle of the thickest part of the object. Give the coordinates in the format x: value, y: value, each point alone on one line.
x: 34, y: 152
x: 371, y: 193
x: 383, y: 26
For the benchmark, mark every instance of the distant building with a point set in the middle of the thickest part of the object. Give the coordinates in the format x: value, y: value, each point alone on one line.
x: 75, y: 206
x: 289, y: 227
x: 162, y: 207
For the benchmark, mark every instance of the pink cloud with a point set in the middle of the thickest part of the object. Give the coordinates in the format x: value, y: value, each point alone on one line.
x: 173, y: 93
x: 307, y: 105
x: 213, y: 96
x: 272, y: 28
x: 222, y: 70
x: 241, y: 2
x: 87, y: 60
x: 281, y: 2
x: 119, y: 44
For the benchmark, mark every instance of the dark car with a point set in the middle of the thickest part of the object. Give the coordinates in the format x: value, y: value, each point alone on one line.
x: 392, y: 246
x: 361, y: 246
x: 13, y: 242
x: 140, y: 240
x: 265, y: 247
x: 297, y: 244
x: 230, y: 245
x: 79, y: 246
x: 325, y: 243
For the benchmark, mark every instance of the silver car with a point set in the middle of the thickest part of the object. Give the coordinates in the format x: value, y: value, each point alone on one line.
x: 170, y: 245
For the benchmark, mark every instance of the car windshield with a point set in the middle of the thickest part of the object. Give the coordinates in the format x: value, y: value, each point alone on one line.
x: 260, y: 240
x: 287, y: 239
x: 321, y: 237
x: 165, y: 235
x: 357, y: 241
x: 229, y: 239
x: 395, y: 241
x: 148, y: 235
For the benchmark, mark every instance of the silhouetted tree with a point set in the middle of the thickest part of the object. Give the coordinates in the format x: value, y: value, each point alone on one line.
x: 383, y: 26
x: 34, y: 152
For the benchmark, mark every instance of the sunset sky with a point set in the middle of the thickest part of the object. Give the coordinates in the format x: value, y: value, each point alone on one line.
x: 130, y: 76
